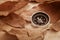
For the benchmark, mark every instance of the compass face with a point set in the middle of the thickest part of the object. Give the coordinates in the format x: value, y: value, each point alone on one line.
x: 40, y: 19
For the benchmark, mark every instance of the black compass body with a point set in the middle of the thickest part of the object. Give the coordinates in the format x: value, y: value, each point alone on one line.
x: 40, y: 18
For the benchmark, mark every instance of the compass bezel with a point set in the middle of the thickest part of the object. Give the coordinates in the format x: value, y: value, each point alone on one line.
x: 40, y: 25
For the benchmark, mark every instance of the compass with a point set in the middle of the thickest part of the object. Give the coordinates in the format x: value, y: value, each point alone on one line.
x: 40, y: 18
